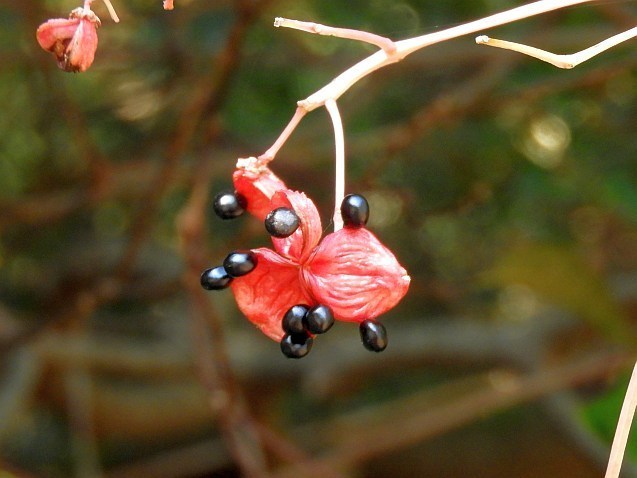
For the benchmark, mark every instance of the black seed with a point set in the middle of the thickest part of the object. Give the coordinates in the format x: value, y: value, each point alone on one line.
x: 215, y: 278
x: 354, y: 210
x: 296, y: 345
x: 319, y: 319
x: 373, y: 335
x: 293, y: 319
x: 281, y: 222
x: 239, y: 263
x: 228, y: 205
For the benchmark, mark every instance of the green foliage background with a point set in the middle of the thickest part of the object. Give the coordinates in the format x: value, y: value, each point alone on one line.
x: 506, y: 188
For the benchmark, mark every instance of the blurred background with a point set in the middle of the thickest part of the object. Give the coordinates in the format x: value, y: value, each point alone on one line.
x: 505, y: 186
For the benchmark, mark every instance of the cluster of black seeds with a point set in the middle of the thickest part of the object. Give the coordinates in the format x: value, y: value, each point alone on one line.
x: 229, y: 205
x: 236, y: 264
x: 301, y: 322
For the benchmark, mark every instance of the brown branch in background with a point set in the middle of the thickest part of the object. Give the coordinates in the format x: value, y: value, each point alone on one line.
x: 449, y: 106
x: 286, y: 450
x: 78, y: 384
x: 226, y: 399
x: 414, y: 419
x: 618, y: 14
x: 241, y: 432
x: 469, y: 97
x: 206, y: 99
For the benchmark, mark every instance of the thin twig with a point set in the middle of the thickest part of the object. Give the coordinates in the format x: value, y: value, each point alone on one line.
x: 561, y: 61
x: 339, y: 145
x: 111, y: 10
x: 381, y: 42
x: 623, y: 428
x: 269, y: 155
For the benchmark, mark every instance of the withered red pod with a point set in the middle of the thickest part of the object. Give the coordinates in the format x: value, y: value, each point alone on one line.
x: 73, y: 41
x: 350, y: 271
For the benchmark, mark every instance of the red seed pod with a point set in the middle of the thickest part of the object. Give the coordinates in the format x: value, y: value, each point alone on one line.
x: 257, y: 183
x: 349, y: 271
x: 73, y: 41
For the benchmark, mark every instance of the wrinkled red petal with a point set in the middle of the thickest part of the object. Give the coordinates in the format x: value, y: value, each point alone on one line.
x: 73, y: 41
x: 80, y: 52
x: 267, y: 293
x: 257, y: 184
x: 52, y: 34
x: 300, y: 244
x: 356, y: 275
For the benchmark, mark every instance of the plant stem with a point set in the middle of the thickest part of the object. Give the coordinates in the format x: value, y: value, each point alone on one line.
x: 561, y: 61
x: 381, y: 42
x: 623, y: 428
x: 339, y: 144
x: 111, y: 10
x: 348, y: 78
x: 393, y: 52
x: 269, y: 155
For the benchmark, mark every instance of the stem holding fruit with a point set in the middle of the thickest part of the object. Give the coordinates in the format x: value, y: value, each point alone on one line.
x: 339, y: 144
x: 111, y: 10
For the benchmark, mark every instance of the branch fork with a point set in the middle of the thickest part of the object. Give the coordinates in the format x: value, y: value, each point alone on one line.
x: 393, y: 51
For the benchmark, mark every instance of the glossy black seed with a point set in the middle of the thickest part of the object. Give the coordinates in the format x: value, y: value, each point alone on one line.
x: 293, y: 319
x: 319, y: 319
x: 296, y: 345
x: 281, y: 222
x: 215, y: 278
x: 354, y: 210
x: 239, y: 263
x: 228, y: 205
x: 373, y: 335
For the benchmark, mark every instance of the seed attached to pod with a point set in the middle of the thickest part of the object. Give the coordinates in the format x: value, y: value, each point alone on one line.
x: 228, y: 205
x: 239, y: 263
x: 373, y: 335
x: 296, y: 345
x: 215, y: 278
x: 354, y: 210
x: 281, y: 222
x: 293, y: 319
x: 319, y: 319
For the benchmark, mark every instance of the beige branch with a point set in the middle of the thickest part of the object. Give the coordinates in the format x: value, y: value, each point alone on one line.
x: 339, y: 145
x: 623, y: 428
x: 561, y: 61
x: 381, y: 42
x: 397, y: 51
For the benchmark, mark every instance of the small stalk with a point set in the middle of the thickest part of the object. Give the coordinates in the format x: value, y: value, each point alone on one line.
x: 339, y: 145
x: 111, y: 10
x: 623, y: 428
x: 561, y: 61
